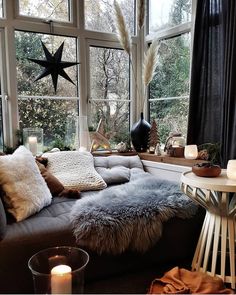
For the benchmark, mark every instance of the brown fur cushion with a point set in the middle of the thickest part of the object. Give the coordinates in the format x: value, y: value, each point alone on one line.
x: 55, y: 186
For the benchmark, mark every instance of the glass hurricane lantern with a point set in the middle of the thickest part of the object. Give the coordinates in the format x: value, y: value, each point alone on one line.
x: 33, y: 140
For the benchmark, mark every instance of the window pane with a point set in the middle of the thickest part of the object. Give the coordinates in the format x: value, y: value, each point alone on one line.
x: 115, y: 116
x: 109, y: 73
x: 170, y: 115
x: 172, y: 72
x: 53, y: 9
x: 99, y: 15
x: 1, y: 8
x: 28, y: 45
x: 164, y: 14
x: 39, y: 106
x: 55, y: 116
x: 109, y: 81
x: 171, y: 80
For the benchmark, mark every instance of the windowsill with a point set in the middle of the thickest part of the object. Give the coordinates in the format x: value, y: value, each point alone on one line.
x: 113, y: 153
x: 169, y: 160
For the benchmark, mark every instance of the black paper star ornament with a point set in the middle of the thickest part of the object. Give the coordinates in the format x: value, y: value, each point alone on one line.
x: 53, y: 65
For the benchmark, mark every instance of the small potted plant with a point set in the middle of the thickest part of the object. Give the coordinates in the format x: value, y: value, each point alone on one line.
x: 211, y: 153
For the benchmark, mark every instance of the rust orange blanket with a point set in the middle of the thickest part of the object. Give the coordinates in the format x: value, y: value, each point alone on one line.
x: 182, y: 281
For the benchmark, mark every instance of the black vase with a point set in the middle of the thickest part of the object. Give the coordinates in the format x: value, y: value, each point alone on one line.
x: 139, y: 135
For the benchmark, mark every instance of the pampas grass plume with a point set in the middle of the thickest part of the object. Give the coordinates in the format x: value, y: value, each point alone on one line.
x: 123, y: 34
x: 141, y: 13
x: 150, y: 62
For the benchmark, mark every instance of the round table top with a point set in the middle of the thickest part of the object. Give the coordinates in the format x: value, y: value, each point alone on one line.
x: 221, y: 183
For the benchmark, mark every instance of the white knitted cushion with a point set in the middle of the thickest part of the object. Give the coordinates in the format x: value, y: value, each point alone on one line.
x: 25, y: 190
x: 75, y: 170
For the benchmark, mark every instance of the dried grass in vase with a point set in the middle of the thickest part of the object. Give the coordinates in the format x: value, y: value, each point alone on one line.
x: 150, y: 58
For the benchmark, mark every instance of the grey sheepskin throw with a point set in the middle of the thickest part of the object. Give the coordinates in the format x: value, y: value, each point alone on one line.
x: 128, y: 216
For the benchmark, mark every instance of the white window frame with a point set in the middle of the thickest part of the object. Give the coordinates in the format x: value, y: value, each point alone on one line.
x: 5, y: 113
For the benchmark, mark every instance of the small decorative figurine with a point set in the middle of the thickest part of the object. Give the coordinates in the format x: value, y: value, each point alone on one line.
x: 99, y: 140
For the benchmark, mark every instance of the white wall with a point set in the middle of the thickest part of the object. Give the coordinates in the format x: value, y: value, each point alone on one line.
x: 165, y: 171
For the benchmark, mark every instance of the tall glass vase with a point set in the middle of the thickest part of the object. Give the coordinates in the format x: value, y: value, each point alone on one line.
x: 82, y: 134
x: 139, y: 134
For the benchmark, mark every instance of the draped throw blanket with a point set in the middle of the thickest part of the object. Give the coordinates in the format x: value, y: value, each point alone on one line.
x: 128, y: 216
x: 182, y: 281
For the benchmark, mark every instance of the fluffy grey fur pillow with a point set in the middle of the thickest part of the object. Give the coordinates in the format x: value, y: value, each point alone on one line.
x: 25, y: 190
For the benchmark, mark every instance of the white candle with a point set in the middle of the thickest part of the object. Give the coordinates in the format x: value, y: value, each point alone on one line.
x: 33, y: 144
x: 191, y: 151
x: 231, y: 169
x: 61, y: 279
x: 82, y: 149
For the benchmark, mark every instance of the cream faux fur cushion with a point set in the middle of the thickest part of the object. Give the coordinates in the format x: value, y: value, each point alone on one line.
x: 25, y: 190
x: 75, y: 170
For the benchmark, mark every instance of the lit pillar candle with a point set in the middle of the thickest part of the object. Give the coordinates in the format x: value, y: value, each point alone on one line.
x: 82, y: 149
x: 231, y: 169
x: 61, y: 279
x: 33, y: 144
x: 191, y: 151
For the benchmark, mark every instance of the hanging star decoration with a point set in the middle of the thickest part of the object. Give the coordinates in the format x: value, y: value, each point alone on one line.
x: 53, y: 65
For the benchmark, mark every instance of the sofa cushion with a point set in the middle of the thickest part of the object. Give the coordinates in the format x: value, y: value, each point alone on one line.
x: 75, y: 170
x: 25, y: 190
x: 117, y: 169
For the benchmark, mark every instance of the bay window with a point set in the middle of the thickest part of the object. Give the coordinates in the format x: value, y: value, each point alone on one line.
x: 104, y: 85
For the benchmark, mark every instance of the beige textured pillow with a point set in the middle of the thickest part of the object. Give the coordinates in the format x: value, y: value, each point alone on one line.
x: 75, y: 170
x: 26, y: 191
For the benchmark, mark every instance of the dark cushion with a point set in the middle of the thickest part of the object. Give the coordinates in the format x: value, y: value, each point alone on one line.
x: 3, y: 220
x: 117, y: 169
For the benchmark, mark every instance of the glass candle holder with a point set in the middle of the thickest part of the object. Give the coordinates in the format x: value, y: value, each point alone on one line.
x: 59, y: 270
x: 178, y: 141
x: 191, y: 152
x: 231, y: 169
x: 33, y: 140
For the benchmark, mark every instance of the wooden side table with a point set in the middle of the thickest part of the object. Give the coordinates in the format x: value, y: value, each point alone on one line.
x: 217, y: 237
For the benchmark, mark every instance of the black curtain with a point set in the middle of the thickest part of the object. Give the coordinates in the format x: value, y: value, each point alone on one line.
x: 212, y: 110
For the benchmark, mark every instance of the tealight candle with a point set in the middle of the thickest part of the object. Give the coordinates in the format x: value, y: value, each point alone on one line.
x: 33, y: 144
x: 61, y: 279
x: 231, y: 169
x: 191, y: 152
